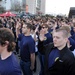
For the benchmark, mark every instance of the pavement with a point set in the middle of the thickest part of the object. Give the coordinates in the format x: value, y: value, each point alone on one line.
x: 38, y: 65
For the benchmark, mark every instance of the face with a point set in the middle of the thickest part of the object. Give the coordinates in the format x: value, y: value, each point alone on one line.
x: 58, y: 39
x: 2, y: 48
x: 63, y: 23
x: 24, y: 29
x: 44, y: 28
x: 50, y: 25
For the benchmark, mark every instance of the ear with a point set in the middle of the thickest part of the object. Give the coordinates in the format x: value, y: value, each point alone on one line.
x: 66, y: 40
x: 6, y: 43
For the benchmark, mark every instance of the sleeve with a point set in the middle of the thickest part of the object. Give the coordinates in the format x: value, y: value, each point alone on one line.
x: 72, y: 42
x: 31, y: 46
x: 73, y: 37
x: 48, y: 40
x: 20, y: 37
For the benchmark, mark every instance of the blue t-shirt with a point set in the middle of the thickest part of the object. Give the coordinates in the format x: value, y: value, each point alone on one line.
x: 73, y: 36
x: 27, y: 47
x: 49, y: 39
x: 53, y: 56
x: 10, y: 66
x: 72, y: 43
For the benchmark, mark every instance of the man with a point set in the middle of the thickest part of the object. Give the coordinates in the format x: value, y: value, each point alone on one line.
x: 27, y: 49
x: 8, y: 62
x: 71, y: 42
x: 59, y: 60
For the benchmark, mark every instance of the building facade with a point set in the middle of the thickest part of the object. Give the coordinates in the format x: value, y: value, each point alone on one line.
x: 71, y: 12
x: 36, y: 6
x: 31, y: 6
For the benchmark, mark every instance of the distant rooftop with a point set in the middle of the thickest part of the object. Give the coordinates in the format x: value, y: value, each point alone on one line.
x: 71, y: 12
x: 72, y: 8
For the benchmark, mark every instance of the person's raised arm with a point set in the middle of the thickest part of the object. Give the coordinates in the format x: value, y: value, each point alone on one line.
x: 18, y: 26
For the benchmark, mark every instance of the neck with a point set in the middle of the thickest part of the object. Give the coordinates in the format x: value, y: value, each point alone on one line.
x: 46, y: 32
x: 5, y: 54
x: 60, y: 48
x: 27, y: 34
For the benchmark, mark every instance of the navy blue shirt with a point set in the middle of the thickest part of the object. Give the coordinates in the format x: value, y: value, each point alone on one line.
x: 50, y: 31
x: 27, y: 47
x: 72, y: 32
x: 10, y: 66
x: 49, y: 39
x: 53, y: 56
x: 72, y: 43
x: 73, y: 36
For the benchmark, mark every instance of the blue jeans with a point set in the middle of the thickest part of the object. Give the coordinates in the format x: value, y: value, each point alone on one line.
x: 41, y: 58
x: 25, y: 66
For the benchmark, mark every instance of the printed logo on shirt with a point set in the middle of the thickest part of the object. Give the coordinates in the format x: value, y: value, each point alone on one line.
x: 56, y: 59
x: 60, y: 61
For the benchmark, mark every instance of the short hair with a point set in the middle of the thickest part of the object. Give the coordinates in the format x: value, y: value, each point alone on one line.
x: 29, y: 26
x: 7, y: 35
x: 46, y: 25
x: 33, y: 27
x: 66, y: 27
x: 65, y: 33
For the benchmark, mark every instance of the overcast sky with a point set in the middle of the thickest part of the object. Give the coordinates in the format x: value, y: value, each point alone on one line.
x: 59, y: 6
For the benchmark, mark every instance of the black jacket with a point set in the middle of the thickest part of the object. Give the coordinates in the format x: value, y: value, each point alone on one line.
x: 65, y: 65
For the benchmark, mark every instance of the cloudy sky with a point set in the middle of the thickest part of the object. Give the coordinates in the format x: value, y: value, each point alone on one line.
x: 59, y: 6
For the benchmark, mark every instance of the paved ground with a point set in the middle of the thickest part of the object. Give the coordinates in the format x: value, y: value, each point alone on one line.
x: 38, y: 65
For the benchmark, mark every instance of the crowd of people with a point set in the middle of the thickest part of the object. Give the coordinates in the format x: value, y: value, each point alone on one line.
x: 52, y: 39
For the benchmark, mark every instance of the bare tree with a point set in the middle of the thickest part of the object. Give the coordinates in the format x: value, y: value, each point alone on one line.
x: 2, y: 9
x: 16, y: 7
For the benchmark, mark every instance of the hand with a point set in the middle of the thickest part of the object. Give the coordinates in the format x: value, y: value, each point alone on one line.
x: 36, y: 30
x: 18, y: 25
x: 32, y: 67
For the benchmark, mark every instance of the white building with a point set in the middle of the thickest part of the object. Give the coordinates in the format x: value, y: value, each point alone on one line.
x: 3, y: 3
x: 36, y: 6
x: 43, y: 2
x: 31, y: 6
x: 8, y: 3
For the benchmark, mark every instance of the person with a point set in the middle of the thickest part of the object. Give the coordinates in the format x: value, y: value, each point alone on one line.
x: 35, y: 37
x: 48, y: 39
x: 8, y: 62
x: 27, y: 49
x: 59, y: 60
x: 73, y: 36
x: 71, y: 42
